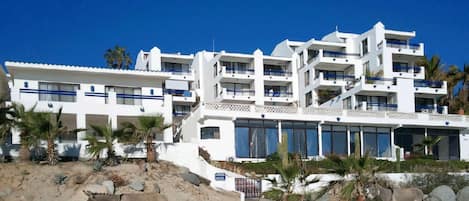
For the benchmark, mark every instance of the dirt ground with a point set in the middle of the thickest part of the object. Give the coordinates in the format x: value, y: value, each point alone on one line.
x: 31, y: 182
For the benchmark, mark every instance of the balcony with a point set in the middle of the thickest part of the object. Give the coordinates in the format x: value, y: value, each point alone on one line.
x: 181, y: 95
x: 178, y: 71
x: 332, y: 80
x: 333, y: 58
x: 370, y: 106
x: 236, y: 94
x: 277, y: 75
x: 402, y: 47
x: 375, y: 84
x: 430, y: 87
x: 431, y: 109
x: 278, y: 96
x: 235, y: 74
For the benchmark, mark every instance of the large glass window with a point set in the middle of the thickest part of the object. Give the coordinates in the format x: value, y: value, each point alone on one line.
x: 57, y: 92
x: 407, y: 138
x: 309, y: 98
x: 126, y: 95
x: 302, y: 137
x: 377, y: 141
x: 353, y: 130
x: 365, y: 46
x: 255, y: 138
x: 448, y: 147
x: 334, y: 140
x: 307, y: 78
x: 210, y: 133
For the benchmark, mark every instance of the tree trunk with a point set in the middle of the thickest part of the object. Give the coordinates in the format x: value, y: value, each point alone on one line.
x: 361, y: 198
x: 51, y: 157
x: 150, y: 150
x: 25, y: 154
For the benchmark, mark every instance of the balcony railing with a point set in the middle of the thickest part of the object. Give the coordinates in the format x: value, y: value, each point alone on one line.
x: 403, y: 45
x: 178, y: 72
x: 180, y: 113
x: 268, y: 93
x: 379, y: 80
x: 415, y: 69
x: 333, y: 76
x: 377, y: 106
x: 335, y: 54
x: 428, y: 83
x: 235, y: 70
x: 239, y: 92
x: 277, y: 72
x: 175, y: 92
x: 429, y: 108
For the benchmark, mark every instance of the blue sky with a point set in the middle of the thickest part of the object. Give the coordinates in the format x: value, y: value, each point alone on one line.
x: 78, y: 32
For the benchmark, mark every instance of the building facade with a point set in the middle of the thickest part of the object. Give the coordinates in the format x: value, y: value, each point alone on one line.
x: 320, y: 93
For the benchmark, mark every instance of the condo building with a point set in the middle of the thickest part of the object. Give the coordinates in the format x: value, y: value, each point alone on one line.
x: 321, y: 93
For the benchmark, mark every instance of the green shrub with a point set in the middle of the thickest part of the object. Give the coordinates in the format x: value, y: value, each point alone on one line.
x: 274, y: 195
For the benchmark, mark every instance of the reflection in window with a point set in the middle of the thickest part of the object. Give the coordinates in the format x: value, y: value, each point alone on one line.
x: 255, y: 138
x: 334, y: 140
x: 210, y: 133
x: 377, y: 141
x: 302, y: 137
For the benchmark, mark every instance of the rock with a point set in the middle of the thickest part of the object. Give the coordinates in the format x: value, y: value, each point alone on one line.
x: 184, y: 170
x: 96, y: 188
x: 60, y: 179
x: 5, y: 192
x: 143, y: 197
x: 137, y: 185
x: 463, y: 194
x: 430, y: 198
x: 324, y: 197
x: 408, y: 194
x: 109, y: 186
x: 444, y: 192
x: 156, y: 188
x: 191, y: 178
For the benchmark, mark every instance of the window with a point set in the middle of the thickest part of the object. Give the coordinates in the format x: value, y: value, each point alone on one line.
x: 366, y: 68
x: 210, y: 133
x: 380, y: 59
x: 255, y: 138
x: 334, y: 140
x: 353, y: 131
x: 365, y: 46
x: 307, y: 78
x: 181, y: 110
x: 347, y: 103
x: 126, y: 95
x: 57, y: 92
x: 309, y: 98
x: 302, y: 137
x: 377, y: 141
x: 302, y: 59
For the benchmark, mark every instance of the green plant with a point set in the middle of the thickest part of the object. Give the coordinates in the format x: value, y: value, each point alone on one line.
x: 428, y: 142
x: 273, y: 194
x: 103, y: 138
x: 118, y: 58
x: 146, y: 130
x: 290, y: 171
x: 98, y: 165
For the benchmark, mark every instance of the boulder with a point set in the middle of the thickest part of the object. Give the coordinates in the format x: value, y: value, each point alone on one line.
x: 430, y: 198
x: 191, y: 178
x: 324, y: 197
x: 408, y: 194
x: 156, y: 188
x: 143, y: 197
x: 443, y: 192
x: 5, y: 192
x: 109, y: 186
x: 137, y: 185
x: 96, y: 189
x: 463, y: 194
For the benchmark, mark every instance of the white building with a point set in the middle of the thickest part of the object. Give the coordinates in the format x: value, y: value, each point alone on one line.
x: 236, y: 106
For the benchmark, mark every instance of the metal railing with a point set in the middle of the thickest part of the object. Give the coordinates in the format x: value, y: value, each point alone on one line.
x: 415, y: 69
x: 428, y: 83
x: 268, y: 93
x: 335, y: 54
x: 235, y: 70
x: 277, y: 72
x: 252, y: 188
x: 178, y: 72
x: 403, y: 45
x: 239, y: 92
x: 379, y: 80
x: 177, y: 92
x: 429, y: 108
x: 333, y: 76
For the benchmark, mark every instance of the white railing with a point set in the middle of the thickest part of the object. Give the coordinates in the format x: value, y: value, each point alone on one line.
x: 331, y: 112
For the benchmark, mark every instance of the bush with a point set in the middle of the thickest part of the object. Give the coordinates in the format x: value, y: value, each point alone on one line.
x: 118, y: 180
x: 428, y: 182
x: 274, y: 194
x: 98, y: 165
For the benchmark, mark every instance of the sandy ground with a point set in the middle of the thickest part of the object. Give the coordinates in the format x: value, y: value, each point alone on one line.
x: 28, y: 182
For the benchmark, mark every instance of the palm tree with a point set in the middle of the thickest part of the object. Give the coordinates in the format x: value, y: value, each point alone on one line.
x: 118, y: 58
x: 290, y: 171
x: 48, y: 127
x: 146, y: 130
x: 433, y: 67
x: 361, y: 170
x: 428, y: 142
x: 25, y: 123
x: 103, y: 138
x: 7, y: 122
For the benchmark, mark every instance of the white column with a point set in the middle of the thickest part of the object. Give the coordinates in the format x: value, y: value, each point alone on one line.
x: 426, y: 150
x: 280, y: 131
x: 259, y: 77
x: 348, y: 140
x: 81, y: 123
x: 113, y: 119
x: 393, y: 151
x: 362, y: 146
